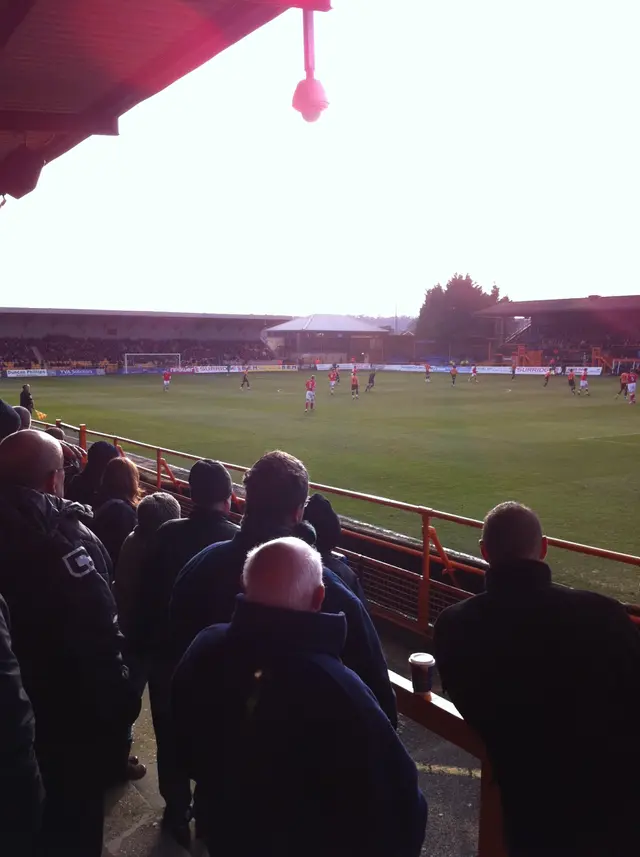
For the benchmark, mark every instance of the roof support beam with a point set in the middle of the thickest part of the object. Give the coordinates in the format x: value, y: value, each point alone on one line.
x: 312, y: 5
x: 23, y: 121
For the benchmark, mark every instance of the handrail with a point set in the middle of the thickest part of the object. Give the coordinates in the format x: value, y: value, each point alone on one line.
x: 438, y: 514
x: 441, y: 717
x: 427, y: 516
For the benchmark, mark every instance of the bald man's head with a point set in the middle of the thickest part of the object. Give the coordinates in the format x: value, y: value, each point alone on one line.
x: 511, y: 532
x: 285, y: 573
x: 32, y: 459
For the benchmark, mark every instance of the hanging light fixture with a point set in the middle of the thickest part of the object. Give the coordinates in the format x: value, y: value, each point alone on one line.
x: 309, y: 99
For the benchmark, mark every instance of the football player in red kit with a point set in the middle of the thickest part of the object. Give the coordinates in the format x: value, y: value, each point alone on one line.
x: 631, y: 386
x: 166, y: 380
x: 355, y: 387
x: 584, y: 383
x: 333, y: 377
x: 310, y: 396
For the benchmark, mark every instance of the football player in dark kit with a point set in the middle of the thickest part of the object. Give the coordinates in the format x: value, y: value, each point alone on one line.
x: 245, y: 379
x: 372, y: 381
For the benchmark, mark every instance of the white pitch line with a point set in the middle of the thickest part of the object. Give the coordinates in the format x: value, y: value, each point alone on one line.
x: 610, y: 436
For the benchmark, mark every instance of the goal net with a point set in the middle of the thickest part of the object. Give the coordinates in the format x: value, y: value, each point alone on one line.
x: 152, y: 360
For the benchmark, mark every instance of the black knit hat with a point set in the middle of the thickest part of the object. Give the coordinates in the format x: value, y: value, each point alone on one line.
x: 319, y: 513
x: 9, y: 420
x: 210, y: 482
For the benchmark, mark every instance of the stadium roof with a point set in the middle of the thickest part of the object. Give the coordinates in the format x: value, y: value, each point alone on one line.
x: 594, y: 303
x: 326, y: 324
x: 265, y: 319
x: 70, y: 70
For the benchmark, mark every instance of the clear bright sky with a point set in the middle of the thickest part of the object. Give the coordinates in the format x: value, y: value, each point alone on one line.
x: 495, y: 137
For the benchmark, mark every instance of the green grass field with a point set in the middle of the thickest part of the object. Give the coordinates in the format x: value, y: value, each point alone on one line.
x: 461, y: 450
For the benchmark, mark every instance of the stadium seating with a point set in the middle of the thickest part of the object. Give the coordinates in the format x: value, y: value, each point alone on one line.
x: 16, y: 353
x: 68, y: 351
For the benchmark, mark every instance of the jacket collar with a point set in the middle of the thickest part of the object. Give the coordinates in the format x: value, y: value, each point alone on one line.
x: 518, y: 576
x: 257, y: 532
x: 33, y: 508
x: 276, y: 628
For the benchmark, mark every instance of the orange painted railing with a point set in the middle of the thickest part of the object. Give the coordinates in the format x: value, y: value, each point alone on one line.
x: 432, y: 549
x: 437, y: 715
x: 442, y: 718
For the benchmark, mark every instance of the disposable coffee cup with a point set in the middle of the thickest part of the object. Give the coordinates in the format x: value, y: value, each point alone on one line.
x: 422, y: 666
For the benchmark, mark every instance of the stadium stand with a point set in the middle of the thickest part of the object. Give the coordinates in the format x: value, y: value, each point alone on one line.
x: 68, y: 352
x: 594, y: 330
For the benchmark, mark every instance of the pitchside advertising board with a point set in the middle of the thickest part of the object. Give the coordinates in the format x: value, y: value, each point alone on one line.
x: 224, y: 370
x: 26, y: 373
x: 463, y: 370
x: 321, y: 367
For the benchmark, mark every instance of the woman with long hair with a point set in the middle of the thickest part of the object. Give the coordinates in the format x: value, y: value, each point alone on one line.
x: 116, y: 505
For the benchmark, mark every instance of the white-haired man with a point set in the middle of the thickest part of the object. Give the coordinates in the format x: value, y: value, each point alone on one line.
x: 290, y: 752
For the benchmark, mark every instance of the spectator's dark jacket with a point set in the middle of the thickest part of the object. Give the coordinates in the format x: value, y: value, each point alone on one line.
x: 26, y: 400
x: 54, y: 576
x: 84, y: 488
x: 174, y: 544
x: 346, y: 574
x: 289, y: 749
x: 205, y: 594
x: 127, y: 578
x: 550, y: 679
x: 20, y: 784
x: 112, y: 523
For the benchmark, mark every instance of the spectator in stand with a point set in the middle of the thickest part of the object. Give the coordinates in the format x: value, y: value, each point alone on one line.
x: 26, y: 399
x: 205, y: 592
x: 9, y: 420
x: 54, y: 576
x: 290, y: 752
x: 153, y: 512
x: 117, y: 502
x: 319, y: 513
x: 176, y: 542
x: 549, y: 677
x: 25, y: 417
x: 21, y: 792
x: 85, y: 487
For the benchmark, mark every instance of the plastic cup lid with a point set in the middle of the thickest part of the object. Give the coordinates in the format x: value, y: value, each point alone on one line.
x: 422, y: 659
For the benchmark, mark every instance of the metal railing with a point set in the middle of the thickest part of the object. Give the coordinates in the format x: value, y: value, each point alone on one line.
x: 441, y: 717
x: 405, y: 597
x: 420, y: 600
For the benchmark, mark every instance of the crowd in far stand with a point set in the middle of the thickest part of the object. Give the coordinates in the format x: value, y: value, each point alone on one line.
x: 267, y: 680
x: 66, y: 351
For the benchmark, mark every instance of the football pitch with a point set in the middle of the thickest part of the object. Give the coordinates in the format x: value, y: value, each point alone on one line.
x: 461, y: 449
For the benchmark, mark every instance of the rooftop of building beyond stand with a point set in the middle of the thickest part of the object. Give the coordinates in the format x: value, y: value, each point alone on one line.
x: 326, y: 324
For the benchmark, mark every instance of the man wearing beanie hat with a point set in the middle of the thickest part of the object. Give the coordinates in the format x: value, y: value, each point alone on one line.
x: 175, y: 543
x: 319, y: 513
x: 9, y: 420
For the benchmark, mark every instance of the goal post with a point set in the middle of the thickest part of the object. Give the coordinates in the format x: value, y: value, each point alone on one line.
x: 161, y: 359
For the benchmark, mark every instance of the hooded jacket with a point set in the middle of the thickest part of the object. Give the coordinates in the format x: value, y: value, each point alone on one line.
x: 205, y: 594
x: 54, y: 576
x: 289, y: 749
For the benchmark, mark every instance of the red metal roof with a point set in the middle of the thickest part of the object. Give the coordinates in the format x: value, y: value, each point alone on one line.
x: 70, y: 68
